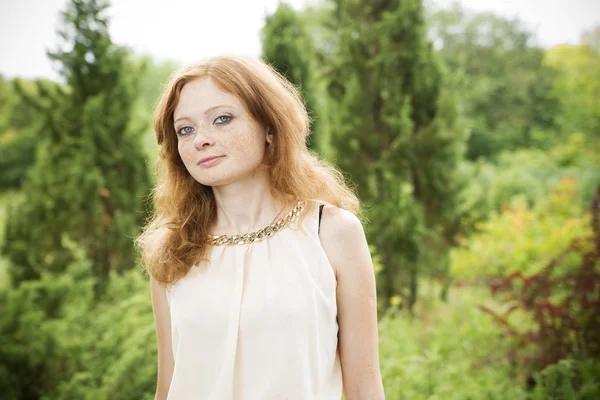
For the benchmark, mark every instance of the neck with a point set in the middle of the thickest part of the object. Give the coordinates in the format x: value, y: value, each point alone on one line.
x: 246, y: 205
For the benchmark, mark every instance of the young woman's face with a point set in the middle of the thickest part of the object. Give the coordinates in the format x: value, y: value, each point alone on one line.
x: 218, y: 140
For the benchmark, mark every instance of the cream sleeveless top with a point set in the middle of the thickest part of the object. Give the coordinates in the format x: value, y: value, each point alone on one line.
x: 259, y: 322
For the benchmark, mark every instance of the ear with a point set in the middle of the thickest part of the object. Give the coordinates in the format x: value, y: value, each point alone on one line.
x: 269, y: 137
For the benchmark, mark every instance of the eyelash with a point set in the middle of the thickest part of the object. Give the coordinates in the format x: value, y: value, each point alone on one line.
x: 220, y: 116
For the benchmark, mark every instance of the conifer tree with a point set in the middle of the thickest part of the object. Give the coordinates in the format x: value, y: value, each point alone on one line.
x: 394, y: 131
x: 88, y: 184
x: 287, y: 46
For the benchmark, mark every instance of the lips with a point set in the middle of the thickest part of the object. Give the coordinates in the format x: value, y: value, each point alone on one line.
x: 209, y: 160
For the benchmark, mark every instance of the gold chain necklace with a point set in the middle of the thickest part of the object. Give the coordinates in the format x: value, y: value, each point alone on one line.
x: 258, y: 235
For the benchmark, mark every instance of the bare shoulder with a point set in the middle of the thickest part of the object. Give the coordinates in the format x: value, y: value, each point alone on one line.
x: 342, y: 236
x: 337, y: 223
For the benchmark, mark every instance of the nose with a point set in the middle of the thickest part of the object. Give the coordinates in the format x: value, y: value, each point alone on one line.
x: 203, y: 140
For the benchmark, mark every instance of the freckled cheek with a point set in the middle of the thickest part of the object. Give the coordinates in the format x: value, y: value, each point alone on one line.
x: 244, y: 143
x: 185, y: 153
x: 246, y: 147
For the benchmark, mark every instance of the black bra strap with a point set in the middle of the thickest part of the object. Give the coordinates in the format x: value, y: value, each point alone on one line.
x: 320, y: 213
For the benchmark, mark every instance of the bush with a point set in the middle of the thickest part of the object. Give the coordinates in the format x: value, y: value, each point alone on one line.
x: 569, y: 380
x: 450, y: 351
x: 564, y: 304
x: 114, y: 345
x: 526, y: 176
x: 34, y: 325
x: 59, y: 342
x: 522, y: 238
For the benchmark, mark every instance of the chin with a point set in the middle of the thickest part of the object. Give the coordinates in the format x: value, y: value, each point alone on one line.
x: 222, y: 179
x: 211, y: 181
x: 215, y: 179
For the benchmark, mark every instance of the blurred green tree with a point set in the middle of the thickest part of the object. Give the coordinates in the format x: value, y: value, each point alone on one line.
x: 395, y: 132
x: 522, y: 238
x: 155, y: 75
x: 578, y: 86
x: 289, y: 48
x: 8, y: 99
x: 60, y: 342
x: 19, y: 127
x: 506, y: 90
x: 89, y: 181
x: 152, y: 81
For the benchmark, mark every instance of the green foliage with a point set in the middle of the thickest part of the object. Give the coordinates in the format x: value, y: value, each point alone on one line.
x: 569, y: 379
x: 452, y: 350
x: 115, y: 351
x: 578, y: 86
x: 506, y: 89
x: 523, y: 238
x: 4, y: 274
x: 89, y: 179
x: 17, y: 154
x: 31, y: 331
x: 287, y: 46
x: 20, y: 126
x: 60, y: 342
x: 562, y: 299
x: 155, y: 75
x: 447, y: 351
x: 152, y: 80
x: 390, y: 113
x: 526, y: 175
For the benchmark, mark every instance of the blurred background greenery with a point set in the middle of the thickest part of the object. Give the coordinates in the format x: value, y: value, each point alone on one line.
x: 475, y: 151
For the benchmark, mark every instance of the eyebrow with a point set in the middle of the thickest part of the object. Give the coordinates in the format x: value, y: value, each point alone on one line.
x: 205, y: 112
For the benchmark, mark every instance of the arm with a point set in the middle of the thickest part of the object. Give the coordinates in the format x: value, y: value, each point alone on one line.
x: 162, y: 322
x: 343, y: 239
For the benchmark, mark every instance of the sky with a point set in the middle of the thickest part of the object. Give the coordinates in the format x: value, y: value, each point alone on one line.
x: 188, y: 30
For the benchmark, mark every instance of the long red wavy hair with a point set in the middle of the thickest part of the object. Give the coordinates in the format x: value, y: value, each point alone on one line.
x: 184, y: 210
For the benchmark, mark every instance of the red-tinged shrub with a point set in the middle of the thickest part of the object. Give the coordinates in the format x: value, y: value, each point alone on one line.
x: 563, y: 304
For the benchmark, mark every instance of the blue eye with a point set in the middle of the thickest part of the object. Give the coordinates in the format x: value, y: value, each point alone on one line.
x: 223, y: 119
x: 183, y: 130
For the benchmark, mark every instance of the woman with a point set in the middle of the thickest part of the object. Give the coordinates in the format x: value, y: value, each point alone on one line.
x: 261, y: 279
